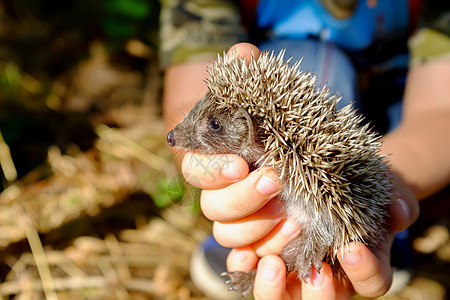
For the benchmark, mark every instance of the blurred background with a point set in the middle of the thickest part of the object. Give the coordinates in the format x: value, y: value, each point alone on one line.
x: 91, y: 204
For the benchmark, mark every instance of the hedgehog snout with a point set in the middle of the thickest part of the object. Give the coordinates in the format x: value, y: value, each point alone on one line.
x: 171, y: 139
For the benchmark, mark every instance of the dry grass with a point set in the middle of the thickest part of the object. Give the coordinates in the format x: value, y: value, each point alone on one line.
x: 148, y: 261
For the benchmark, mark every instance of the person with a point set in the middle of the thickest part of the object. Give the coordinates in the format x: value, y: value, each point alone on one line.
x: 243, y: 205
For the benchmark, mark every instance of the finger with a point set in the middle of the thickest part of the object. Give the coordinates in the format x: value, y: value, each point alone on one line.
x: 403, y: 212
x: 245, y: 50
x: 319, y: 285
x: 270, y: 280
x: 242, y: 259
x: 293, y: 286
x: 404, y: 209
x: 249, y: 229
x: 344, y: 289
x: 274, y: 242
x: 242, y: 198
x: 213, y: 171
x: 371, y: 276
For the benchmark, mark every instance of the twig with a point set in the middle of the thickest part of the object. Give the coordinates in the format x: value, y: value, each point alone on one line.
x: 6, y: 162
x: 60, y: 284
x: 121, y: 268
x: 40, y: 259
x: 128, y: 146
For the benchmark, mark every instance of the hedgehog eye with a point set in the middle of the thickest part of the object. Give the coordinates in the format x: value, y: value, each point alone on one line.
x: 214, y: 125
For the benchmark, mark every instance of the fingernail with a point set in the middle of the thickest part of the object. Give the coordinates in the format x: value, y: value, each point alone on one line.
x: 316, y: 279
x: 230, y: 171
x: 269, y: 274
x: 290, y: 227
x: 404, y: 206
x: 353, y: 258
x: 267, y: 186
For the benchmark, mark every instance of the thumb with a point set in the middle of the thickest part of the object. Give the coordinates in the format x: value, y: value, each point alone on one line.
x: 270, y: 280
x: 404, y: 209
x: 245, y: 50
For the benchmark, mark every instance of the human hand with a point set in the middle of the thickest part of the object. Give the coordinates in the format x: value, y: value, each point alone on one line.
x: 248, y: 217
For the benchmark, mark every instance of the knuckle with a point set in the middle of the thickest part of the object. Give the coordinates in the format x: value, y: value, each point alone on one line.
x: 226, y: 236
x: 236, y: 205
x: 374, y: 286
x: 379, y: 289
x: 273, y: 243
x: 206, y: 207
x: 222, y: 205
x: 267, y: 248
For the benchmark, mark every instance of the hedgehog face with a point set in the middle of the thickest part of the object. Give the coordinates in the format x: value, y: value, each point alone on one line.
x: 212, y: 129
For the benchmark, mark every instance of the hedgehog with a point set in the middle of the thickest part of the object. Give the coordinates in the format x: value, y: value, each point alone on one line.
x: 333, y: 179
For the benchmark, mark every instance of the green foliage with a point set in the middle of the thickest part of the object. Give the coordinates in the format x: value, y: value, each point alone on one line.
x: 10, y: 79
x: 125, y: 19
x: 168, y: 191
x: 70, y: 25
x: 133, y: 9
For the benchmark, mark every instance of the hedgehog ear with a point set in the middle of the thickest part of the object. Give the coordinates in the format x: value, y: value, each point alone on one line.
x: 251, y: 131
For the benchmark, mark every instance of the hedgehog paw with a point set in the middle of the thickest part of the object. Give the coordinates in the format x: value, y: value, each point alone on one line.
x: 304, y: 268
x: 240, y: 281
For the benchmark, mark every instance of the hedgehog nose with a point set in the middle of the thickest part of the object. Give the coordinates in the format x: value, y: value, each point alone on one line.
x: 171, y: 138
